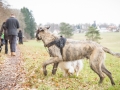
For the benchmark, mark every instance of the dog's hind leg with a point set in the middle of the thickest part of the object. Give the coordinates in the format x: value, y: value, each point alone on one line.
x: 97, y: 70
x: 55, y: 68
x: 96, y: 61
x: 95, y: 64
x: 108, y: 74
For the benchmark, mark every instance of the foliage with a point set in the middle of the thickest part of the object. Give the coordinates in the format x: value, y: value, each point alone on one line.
x: 66, y: 29
x: 29, y: 21
x: 93, y: 34
x: 78, y: 26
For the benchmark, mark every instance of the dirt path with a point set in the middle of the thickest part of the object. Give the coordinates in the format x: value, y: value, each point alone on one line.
x: 11, y: 72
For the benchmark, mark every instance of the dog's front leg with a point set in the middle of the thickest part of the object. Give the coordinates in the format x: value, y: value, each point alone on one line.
x: 54, y: 68
x: 50, y: 61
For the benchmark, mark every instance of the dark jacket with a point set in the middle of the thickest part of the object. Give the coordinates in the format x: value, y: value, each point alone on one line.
x: 20, y: 33
x: 12, y: 25
x: 4, y: 29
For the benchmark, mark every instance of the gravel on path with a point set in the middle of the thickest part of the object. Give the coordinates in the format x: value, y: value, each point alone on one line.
x: 12, y: 72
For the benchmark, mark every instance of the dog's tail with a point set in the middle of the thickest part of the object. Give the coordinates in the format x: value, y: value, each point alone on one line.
x: 110, y: 52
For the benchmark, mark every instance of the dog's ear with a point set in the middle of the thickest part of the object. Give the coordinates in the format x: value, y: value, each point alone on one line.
x: 40, y: 29
x: 47, y: 27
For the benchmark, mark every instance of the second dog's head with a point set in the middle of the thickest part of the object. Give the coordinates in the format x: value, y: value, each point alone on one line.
x: 71, y: 71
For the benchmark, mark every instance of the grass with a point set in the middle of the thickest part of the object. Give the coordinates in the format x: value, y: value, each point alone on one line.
x: 34, y: 54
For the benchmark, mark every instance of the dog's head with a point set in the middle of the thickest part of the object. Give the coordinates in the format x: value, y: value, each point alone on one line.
x: 71, y: 71
x: 41, y: 29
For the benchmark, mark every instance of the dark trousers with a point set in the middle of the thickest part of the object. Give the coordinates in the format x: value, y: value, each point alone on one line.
x: 1, y: 45
x: 12, y: 41
x: 20, y: 40
x: 2, y: 42
x: 6, y: 46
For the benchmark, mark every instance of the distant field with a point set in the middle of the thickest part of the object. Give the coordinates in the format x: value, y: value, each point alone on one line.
x: 110, y: 40
x: 34, y: 53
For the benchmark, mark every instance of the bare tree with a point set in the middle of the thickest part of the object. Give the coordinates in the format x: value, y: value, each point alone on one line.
x: 4, y: 11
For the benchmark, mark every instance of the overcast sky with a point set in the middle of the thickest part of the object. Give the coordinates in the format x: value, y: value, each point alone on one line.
x: 71, y: 11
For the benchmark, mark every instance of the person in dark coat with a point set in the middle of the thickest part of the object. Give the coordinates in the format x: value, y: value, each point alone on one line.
x: 20, y: 36
x: 5, y: 37
x: 12, y: 25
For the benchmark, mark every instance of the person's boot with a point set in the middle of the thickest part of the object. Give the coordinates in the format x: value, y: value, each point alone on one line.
x: 13, y: 54
x: 6, y: 52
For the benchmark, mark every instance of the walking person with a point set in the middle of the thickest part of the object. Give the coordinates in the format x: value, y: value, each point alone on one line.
x: 12, y: 25
x: 20, y: 36
x: 4, y: 37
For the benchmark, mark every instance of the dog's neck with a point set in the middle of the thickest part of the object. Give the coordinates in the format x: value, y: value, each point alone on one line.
x: 48, y: 38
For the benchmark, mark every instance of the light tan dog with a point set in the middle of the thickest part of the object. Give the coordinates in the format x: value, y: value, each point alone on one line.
x: 71, y: 67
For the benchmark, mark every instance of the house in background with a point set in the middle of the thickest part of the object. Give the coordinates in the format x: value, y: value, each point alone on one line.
x: 56, y: 32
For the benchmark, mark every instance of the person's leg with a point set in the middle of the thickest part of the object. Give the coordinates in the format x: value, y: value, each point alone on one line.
x: 2, y: 42
x: 10, y: 41
x: 1, y: 46
x: 13, y: 43
x: 6, y: 46
x: 21, y: 40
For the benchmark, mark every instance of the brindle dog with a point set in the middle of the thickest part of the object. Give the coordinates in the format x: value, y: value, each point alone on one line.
x: 74, y: 50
